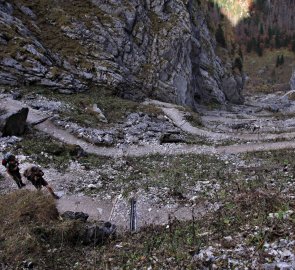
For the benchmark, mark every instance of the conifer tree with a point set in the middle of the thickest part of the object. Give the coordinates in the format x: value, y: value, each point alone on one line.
x: 278, y: 61
x: 261, y: 31
x: 282, y: 59
x: 219, y: 35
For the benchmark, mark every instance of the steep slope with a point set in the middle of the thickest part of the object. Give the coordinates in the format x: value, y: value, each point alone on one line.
x: 160, y: 49
x: 270, y: 24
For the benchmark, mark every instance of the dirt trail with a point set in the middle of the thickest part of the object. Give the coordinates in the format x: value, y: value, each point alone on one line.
x: 118, y: 209
x: 174, y: 149
x: 148, y: 213
x: 177, y: 117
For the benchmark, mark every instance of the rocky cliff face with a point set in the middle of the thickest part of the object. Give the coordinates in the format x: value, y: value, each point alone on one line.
x: 140, y: 48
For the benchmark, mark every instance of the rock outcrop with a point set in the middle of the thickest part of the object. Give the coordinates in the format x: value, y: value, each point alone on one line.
x: 13, y: 123
x: 155, y: 48
x: 96, y: 235
x: 90, y: 233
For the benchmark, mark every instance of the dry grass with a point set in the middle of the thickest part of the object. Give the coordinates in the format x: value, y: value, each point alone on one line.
x: 245, y: 206
x: 31, y: 230
x: 25, y: 206
x: 20, y: 212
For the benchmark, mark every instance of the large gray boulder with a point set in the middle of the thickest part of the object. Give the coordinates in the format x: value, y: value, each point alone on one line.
x: 13, y: 123
x: 232, y: 88
x: 90, y: 233
x: 96, y: 235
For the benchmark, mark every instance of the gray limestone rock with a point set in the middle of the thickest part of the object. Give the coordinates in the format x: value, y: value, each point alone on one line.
x: 95, y: 234
x: 232, y: 90
x: 27, y: 11
x: 75, y: 215
x: 14, y: 123
x: 8, y: 79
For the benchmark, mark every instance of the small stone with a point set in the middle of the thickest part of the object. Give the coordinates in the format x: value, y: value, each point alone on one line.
x: 91, y: 186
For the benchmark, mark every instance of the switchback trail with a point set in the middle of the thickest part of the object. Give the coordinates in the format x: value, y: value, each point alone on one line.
x: 117, y: 210
x: 168, y: 149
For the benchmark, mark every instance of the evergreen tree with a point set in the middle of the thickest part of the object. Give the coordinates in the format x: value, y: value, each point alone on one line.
x: 246, y: 31
x: 219, y: 35
x: 241, y: 53
x: 282, y: 61
x: 261, y: 31
x: 259, y: 49
x: 278, y: 61
x: 249, y: 46
x: 267, y: 42
x: 238, y: 64
x: 270, y: 32
x: 260, y: 4
x: 254, y: 43
x: 278, y: 39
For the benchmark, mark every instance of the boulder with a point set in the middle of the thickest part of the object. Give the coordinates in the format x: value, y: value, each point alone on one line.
x: 75, y: 215
x: 171, y: 138
x: 90, y: 233
x: 275, y: 104
x: 14, y: 123
x: 95, y: 234
x: 232, y: 89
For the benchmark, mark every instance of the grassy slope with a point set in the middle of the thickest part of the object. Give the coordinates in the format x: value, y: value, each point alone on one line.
x: 160, y: 247
x: 264, y: 76
x: 246, y: 200
x: 113, y: 107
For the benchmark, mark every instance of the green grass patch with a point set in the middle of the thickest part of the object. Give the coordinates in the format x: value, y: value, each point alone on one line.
x: 47, y: 151
x: 31, y: 231
x: 50, y: 152
x: 277, y: 158
x: 113, y: 107
x: 35, y: 234
x: 178, y: 173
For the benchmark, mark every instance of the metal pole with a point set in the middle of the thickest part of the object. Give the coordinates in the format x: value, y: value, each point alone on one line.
x: 133, y: 220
